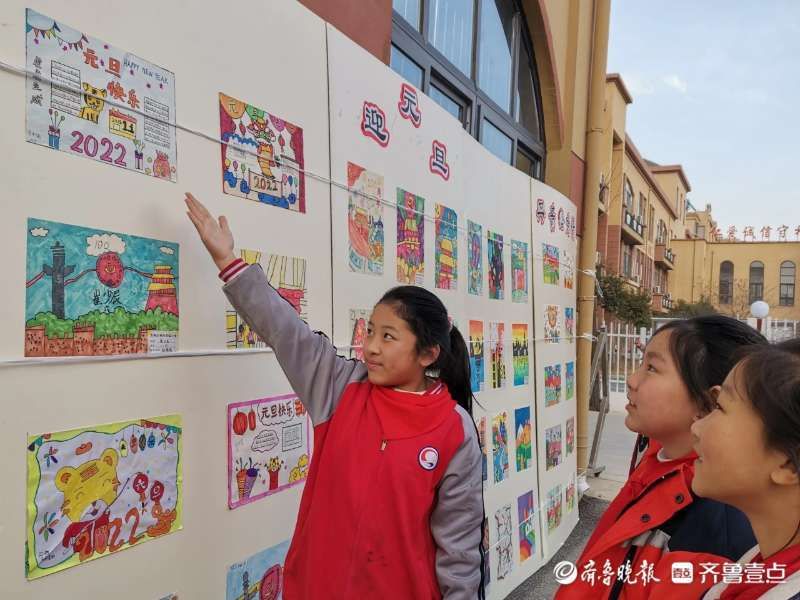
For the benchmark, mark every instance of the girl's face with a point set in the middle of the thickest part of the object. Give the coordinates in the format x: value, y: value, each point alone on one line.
x: 390, y: 351
x: 734, y: 465
x: 659, y: 405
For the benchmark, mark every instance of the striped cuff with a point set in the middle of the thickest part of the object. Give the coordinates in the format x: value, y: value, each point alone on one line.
x: 232, y: 270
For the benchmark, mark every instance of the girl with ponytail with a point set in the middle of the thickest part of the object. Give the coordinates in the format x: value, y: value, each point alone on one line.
x: 393, y: 503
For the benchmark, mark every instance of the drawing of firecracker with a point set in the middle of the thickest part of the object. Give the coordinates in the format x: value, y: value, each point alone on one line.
x: 274, y: 468
x: 246, y: 476
x: 138, y: 153
x: 54, y: 130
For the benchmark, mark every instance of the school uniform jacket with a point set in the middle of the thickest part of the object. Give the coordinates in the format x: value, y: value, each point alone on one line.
x: 654, y: 521
x: 393, y: 505
x: 787, y: 589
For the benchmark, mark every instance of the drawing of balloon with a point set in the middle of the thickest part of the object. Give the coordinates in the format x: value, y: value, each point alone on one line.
x: 151, y: 441
x: 134, y: 444
x: 157, y: 491
x: 142, y: 442
x: 265, y: 441
x: 140, y: 486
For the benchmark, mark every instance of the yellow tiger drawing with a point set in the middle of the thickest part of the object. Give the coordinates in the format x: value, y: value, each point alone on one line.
x: 93, y: 99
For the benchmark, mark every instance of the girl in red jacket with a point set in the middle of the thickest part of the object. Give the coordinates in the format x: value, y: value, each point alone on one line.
x: 629, y: 555
x: 749, y: 456
x: 393, y: 503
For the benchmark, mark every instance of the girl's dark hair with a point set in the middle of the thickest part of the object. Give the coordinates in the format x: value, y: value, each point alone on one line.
x: 705, y: 349
x: 426, y: 315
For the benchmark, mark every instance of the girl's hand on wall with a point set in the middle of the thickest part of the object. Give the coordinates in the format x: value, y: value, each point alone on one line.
x: 215, y: 235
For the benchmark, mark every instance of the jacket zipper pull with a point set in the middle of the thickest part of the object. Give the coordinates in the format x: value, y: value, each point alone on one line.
x: 383, y: 445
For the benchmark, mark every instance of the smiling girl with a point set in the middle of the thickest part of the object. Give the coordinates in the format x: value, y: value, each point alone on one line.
x: 655, y: 513
x: 749, y: 456
x: 393, y: 503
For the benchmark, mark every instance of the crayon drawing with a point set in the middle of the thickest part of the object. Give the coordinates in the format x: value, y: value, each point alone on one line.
x: 519, y: 271
x: 522, y: 425
x: 496, y: 352
x: 527, y: 526
x: 365, y: 220
x: 475, y: 258
x: 496, y: 267
x: 519, y: 351
x: 476, y: 355
x: 260, y: 577
x: 410, y: 238
x: 500, y: 446
x: 446, y: 254
x: 504, y: 534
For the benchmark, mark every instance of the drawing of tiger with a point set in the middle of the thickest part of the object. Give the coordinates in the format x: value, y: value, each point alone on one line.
x: 93, y: 99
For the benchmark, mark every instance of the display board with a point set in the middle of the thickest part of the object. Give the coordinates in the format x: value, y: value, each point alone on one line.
x: 341, y: 181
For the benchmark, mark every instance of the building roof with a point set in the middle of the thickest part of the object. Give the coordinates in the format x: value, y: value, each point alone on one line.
x: 632, y: 151
x: 655, y: 168
x: 616, y: 79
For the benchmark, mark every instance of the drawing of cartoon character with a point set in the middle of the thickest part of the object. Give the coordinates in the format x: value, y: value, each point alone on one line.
x: 94, y: 101
x: 301, y: 470
x: 274, y: 467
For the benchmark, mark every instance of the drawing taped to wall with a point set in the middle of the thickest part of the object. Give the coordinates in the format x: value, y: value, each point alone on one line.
x: 365, y: 220
x: 410, y: 238
x: 475, y: 258
x: 446, y: 248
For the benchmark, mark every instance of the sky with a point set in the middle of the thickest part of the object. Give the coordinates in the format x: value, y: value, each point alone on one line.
x: 716, y: 88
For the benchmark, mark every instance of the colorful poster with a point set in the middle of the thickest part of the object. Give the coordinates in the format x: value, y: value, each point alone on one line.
x: 527, y: 529
x: 570, y: 494
x: 108, y: 104
x: 570, y: 435
x: 410, y: 238
x: 553, y: 508
x: 568, y: 268
x: 475, y: 251
x: 96, y: 292
x: 482, y: 438
x: 500, y: 446
x: 487, y: 572
x: 268, y: 447
x: 262, y: 156
x: 569, y: 323
x: 476, y: 346
x: 550, y: 264
x: 287, y: 274
x: 552, y: 438
x: 552, y: 385
x: 359, y: 318
x: 552, y: 323
x: 570, y: 380
x: 96, y: 490
x: 522, y: 425
x: 260, y: 577
x: 496, y: 268
x: 504, y: 529
x: 519, y: 271
x: 446, y: 255
x: 365, y: 220
x: 497, y: 333
x: 519, y: 351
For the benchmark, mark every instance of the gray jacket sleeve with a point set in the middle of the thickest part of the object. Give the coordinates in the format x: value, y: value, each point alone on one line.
x: 311, y: 364
x: 457, y: 518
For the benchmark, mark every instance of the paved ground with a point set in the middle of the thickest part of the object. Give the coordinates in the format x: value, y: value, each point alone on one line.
x: 616, y: 446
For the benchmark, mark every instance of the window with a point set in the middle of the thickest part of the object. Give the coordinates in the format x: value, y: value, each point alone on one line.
x: 787, y: 276
x: 627, y: 261
x: 700, y: 231
x: 756, y: 281
x: 662, y: 232
x: 475, y: 59
x: 651, y: 223
x: 726, y: 282
x: 628, y: 195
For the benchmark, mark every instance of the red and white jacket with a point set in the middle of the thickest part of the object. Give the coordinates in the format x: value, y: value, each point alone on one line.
x: 777, y: 578
x: 393, y: 503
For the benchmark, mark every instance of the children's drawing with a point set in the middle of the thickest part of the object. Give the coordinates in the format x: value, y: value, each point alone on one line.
x: 570, y: 494
x: 552, y: 385
x: 496, y: 268
x: 268, y: 447
x: 522, y: 425
x: 287, y: 275
x: 96, y: 490
x: 553, y: 508
x: 550, y: 264
x: 552, y: 323
x: 553, y: 446
x: 262, y: 156
x: 527, y: 526
x: 95, y: 292
x: 365, y: 220
x: 487, y: 573
x: 570, y: 380
x: 500, y: 446
x: 476, y: 357
x: 446, y: 255
x: 410, y: 238
x: 519, y: 351
x: 110, y: 105
x: 569, y: 323
x: 570, y: 435
x: 568, y: 269
x: 260, y: 577
x: 475, y: 262
x: 504, y: 532
x: 359, y: 318
x: 496, y: 346
x: 519, y: 271
x: 482, y: 438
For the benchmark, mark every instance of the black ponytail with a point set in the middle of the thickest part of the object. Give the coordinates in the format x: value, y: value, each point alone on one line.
x: 427, y: 318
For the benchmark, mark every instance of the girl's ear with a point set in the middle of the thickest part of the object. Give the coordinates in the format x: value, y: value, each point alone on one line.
x: 429, y: 356
x: 714, y: 391
x: 786, y: 474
